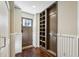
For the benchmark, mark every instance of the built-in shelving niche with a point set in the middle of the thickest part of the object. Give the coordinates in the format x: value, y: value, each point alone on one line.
x: 43, y: 29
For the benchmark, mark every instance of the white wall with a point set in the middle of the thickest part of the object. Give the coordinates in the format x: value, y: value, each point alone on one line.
x: 17, y: 21
x: 36, y: 30
x: 67, y: 17
x: 78, y: 24
x: 27, y: 15
x: 67, y: 28
x: 4, y: 30
x: 15, y: 29
x: 12, y: 42
x: 78, y: 18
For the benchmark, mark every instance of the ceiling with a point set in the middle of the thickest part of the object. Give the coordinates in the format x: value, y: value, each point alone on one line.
x: 33, y: 7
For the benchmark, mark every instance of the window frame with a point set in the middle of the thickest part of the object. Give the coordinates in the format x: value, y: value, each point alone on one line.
x: 26, y: 19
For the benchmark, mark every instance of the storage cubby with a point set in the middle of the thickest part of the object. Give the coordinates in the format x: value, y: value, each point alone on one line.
x: 43, y: 29
x: 48, y: 26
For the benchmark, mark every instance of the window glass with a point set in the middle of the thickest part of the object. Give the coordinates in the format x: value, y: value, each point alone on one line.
x: 27, y: 22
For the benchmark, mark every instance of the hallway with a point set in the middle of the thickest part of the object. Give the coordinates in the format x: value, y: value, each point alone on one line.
x: 34, y: 52
x: 50, y: 28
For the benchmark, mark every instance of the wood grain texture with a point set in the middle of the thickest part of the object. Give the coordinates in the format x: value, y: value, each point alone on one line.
x: 34, y: 52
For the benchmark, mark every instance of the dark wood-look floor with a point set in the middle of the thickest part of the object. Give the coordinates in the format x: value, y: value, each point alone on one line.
x: 34, y: 52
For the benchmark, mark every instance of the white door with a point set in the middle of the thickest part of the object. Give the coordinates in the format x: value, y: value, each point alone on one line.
x: 4, y: 30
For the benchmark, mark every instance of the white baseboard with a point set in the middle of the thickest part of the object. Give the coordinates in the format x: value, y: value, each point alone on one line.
x: 26, y: 47
x: 52, y: 52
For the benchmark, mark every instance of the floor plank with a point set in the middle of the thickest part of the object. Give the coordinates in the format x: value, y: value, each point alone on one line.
x: 34, y: 52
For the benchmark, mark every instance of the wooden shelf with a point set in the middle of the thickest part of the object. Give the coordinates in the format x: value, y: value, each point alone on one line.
x: 42, y: 44
x: 42, y: 16
x: 42, y: 35
x: 42, y: 24
x: 42, y: 20
x: 43, y: 41
x: 43, y: 29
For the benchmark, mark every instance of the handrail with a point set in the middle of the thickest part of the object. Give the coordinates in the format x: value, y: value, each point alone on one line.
x: 4, y: 42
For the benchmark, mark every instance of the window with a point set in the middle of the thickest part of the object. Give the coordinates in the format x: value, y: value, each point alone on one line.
x: 27, y: 22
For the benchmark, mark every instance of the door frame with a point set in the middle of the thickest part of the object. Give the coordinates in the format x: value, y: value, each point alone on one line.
x: 55, y: 3
x: 32, y: 31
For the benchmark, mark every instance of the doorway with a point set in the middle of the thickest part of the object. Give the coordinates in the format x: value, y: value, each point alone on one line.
x: 52, y: 30
x: 27, y: 25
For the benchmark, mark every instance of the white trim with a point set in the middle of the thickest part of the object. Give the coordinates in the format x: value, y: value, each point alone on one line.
x: 7, y: 4
x: 27, y: 47
x: 70, y: 35
x: 52, y: 52
x: 16, y: 33
x: 61, y: 40
x: 16, y: 43
x: 53, y: 13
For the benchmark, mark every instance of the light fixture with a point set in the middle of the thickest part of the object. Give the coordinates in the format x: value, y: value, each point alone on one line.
x: 34, y: 6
